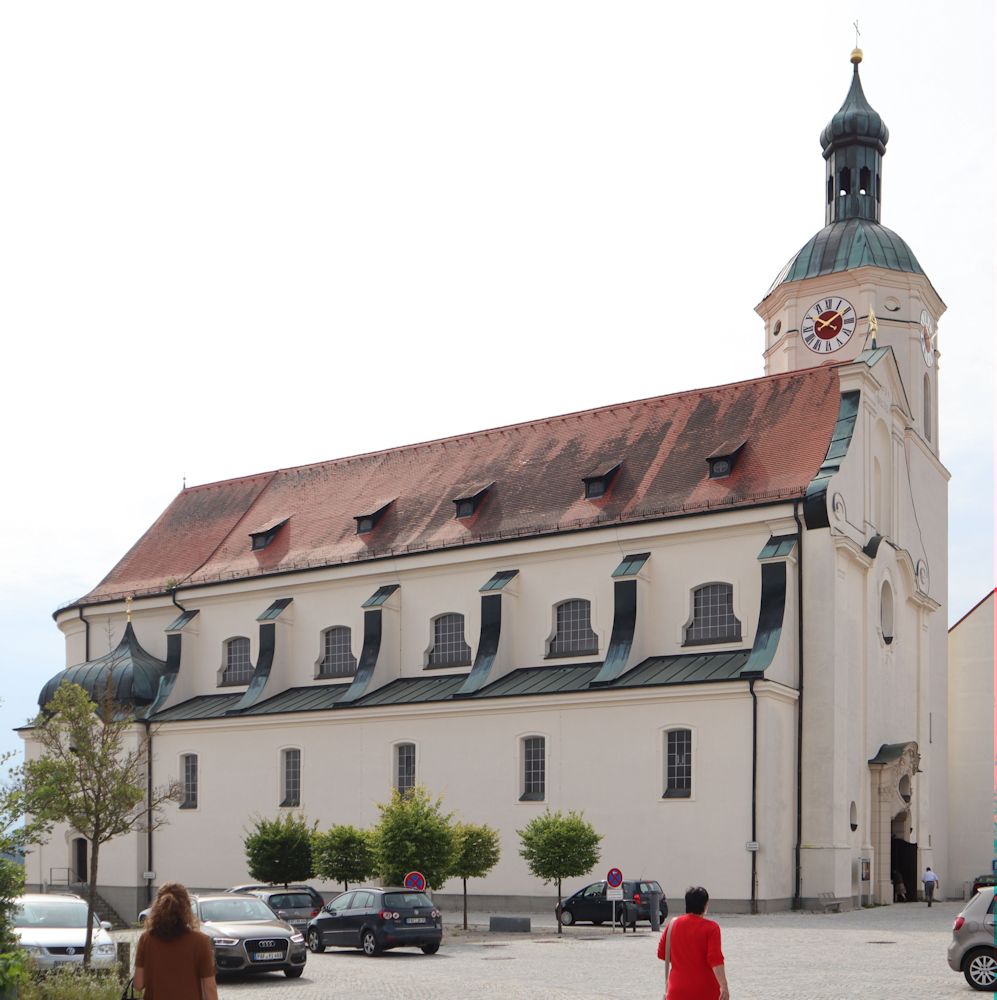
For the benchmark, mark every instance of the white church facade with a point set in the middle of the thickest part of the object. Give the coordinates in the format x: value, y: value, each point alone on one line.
x: 712, y: 621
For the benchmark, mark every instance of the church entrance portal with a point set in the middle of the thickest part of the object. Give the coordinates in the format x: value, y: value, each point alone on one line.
x: 892, y: 771
x: 903, y: 860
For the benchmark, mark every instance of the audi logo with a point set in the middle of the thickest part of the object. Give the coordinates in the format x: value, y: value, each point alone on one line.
x: 268, y: 944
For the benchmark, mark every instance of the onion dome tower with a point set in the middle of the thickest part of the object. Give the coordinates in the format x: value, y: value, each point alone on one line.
x: 816, y: 311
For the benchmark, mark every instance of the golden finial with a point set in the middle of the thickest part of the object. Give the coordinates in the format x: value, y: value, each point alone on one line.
x: 128, y: 608
x: 856, y: 52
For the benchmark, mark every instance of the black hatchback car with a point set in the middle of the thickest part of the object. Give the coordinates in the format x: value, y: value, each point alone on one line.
x: 590, y: 903
x: 375, y: 920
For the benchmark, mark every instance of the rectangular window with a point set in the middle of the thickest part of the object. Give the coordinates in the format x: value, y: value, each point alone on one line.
x: 405, y: 767
x: 291, y: 778
x: 713, y: 618
x: 188, y: 779
x: 534, y: 769
x: 238, y: 666
x: 574, y: 635
x: 678, y: 764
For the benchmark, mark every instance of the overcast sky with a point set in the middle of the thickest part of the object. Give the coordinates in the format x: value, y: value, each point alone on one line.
x: 241, y: 236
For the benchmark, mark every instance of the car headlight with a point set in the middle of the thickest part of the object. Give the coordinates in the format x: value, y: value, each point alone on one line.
x: 297, y: 937
x: 33, y: 950
x: 226, y: 942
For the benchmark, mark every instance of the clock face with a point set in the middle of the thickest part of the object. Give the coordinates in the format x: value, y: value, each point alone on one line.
x: 927, y: 338
x: 828, y: 325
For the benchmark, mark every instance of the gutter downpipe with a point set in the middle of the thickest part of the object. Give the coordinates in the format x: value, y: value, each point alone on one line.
x: 798, y: 874
x: 754, y: 790
x: 86, y: 634
x: 173, y: 598
x: 148, y: 809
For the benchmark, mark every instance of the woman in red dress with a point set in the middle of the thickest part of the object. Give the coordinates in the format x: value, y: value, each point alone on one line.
x: 696, y: 963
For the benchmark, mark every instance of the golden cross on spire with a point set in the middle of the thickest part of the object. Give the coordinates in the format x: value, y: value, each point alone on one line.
x: 857, y: 33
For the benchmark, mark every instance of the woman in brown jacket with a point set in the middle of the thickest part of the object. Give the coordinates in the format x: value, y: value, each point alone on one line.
x: 174, y: 960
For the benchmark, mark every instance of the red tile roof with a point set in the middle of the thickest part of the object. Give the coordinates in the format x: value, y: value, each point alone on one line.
x: 536, y: 468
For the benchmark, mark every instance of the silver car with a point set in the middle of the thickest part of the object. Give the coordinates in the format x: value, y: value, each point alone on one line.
x: 973, y: 950
x: 52, y: 929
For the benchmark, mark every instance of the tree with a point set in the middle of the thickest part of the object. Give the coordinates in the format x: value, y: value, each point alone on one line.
x: 477, y: 853
x: 343, y: 854
x: 414, y: 835
x: 556, y: 847
x: 88, y: 777
x: 279, y: 851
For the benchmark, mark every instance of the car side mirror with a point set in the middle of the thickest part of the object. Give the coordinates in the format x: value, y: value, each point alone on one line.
x: 106, y: 925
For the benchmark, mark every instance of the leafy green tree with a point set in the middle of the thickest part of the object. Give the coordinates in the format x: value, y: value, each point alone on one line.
x: 557, y: 847
x: 343, y: 854
x: 279, y: 851
x: 414, y: 834
x: 477, y: 853
x: 92, y: 774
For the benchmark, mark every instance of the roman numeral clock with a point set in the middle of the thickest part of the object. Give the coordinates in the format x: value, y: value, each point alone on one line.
x: 828, y: 325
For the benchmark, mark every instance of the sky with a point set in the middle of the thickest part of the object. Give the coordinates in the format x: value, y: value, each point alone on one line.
x: 242, y: 236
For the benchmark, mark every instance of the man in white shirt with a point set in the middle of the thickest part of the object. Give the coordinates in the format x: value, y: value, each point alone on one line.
x: 930, y: 880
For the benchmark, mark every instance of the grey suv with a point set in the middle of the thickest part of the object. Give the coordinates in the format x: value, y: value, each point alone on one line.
x: 973, y: 950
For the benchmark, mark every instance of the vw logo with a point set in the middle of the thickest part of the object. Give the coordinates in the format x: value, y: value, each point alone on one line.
x: 268, y: 944
x: 70, y: 951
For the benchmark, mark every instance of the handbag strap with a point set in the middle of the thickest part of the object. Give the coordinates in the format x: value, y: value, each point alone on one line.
x: 668, y: 944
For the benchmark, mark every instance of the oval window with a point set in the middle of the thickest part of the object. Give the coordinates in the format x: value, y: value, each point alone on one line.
x: 886, y: 612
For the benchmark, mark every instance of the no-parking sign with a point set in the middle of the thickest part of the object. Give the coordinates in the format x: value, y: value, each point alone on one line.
x: 614, y: 877
x: 415, y: 881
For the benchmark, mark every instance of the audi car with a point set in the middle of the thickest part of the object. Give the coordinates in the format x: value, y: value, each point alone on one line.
x: 375, y: 920
x: 52, y: 929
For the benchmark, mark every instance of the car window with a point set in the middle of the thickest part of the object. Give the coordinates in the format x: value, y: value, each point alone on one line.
x: 598, y: 889
x: 363, y: 901
x: 650, y: 887
x: 234, y: 910
x: 990, y: 908
x: 51, y: 913
x: 399, y: 900
x: 291, y: 901
x: 341, y: 903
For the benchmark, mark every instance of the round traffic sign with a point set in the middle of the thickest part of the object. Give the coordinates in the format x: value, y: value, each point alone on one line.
x: 415, y: 881
x: 614, y: 877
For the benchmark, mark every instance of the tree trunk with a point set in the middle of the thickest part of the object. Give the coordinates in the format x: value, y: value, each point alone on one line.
x: 560, y: 929
x: 465, y: 904
x: 91, y: 891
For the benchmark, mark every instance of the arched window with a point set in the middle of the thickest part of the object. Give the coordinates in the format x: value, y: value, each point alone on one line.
x: 404, y: 767
x: 188, y: 780
x: 290, y: 777
x: 927, y: 408
x: 573, y: 635
x: 238, y: 667
x: 713, y: 618
x: 449, y: 648
x: 845, y: 184
x: 886, y: 612
x: 864, y: 179
x: 337, y: 653
x: 533, y: 768
x: 678, y: 764
x: 853, y: 817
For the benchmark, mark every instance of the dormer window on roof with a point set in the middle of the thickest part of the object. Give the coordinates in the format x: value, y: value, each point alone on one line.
x: 631, y: 565
x: 470, y: 499
x: 498, y: 581
x: 368, y: 522
x: 723, y: 460
x: 262, y: 537
x: 273, y: 612
x: 380, y: 596
x: 180, y: 623
x: 597, y: 482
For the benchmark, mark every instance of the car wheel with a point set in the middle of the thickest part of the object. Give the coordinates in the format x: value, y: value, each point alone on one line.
x: 293, y: 971
x: 369, y: 943
x: 430, y: 949
x: 315, y: 942
x: 567, y: 918
x: 980, y: 969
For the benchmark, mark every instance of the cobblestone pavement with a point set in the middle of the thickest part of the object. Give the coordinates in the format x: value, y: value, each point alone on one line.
x: 887, y: 953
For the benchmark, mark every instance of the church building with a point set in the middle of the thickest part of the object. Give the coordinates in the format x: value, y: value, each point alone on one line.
x: 713, y: 621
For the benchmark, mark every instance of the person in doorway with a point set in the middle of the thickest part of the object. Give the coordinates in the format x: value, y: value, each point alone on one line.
x: 690, y: 948
x: 899, y: 888
x: 174, y: 960
x: 930, y: 880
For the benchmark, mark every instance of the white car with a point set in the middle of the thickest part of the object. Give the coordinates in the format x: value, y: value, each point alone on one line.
x: 52, y: 929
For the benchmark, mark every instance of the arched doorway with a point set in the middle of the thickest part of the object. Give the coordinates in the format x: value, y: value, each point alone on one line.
x: 892, y: 770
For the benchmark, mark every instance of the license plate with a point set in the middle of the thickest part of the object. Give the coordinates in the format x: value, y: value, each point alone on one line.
x: 297, y: 921
x: 267, y: 956
x: 415, y: 920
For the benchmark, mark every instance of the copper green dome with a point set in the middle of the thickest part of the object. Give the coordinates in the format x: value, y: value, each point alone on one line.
x: 843, y: 246
x: 855, y: 121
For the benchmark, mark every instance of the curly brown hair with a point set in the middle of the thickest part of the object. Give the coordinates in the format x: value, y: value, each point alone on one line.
x: 172, y: 913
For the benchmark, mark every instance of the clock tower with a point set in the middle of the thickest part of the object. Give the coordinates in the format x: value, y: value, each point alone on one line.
x: 856, y: 284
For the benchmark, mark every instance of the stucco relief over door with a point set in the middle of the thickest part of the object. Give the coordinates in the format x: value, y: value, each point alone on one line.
x: 892, y: 770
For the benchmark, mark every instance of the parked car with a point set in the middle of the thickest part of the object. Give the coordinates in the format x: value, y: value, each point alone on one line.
x: 973, y: 950
x: 295, y: 906
x: 375, y: 920
x: 52, y: 929
x: 981, y: 881
x: 248, y: 936
x: 591, y: 904
x: 318, y: 900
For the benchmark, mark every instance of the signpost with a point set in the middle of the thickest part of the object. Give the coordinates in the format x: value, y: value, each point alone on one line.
x: 415, y: 881
x: 614, y: 890
x: 865, y: 879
